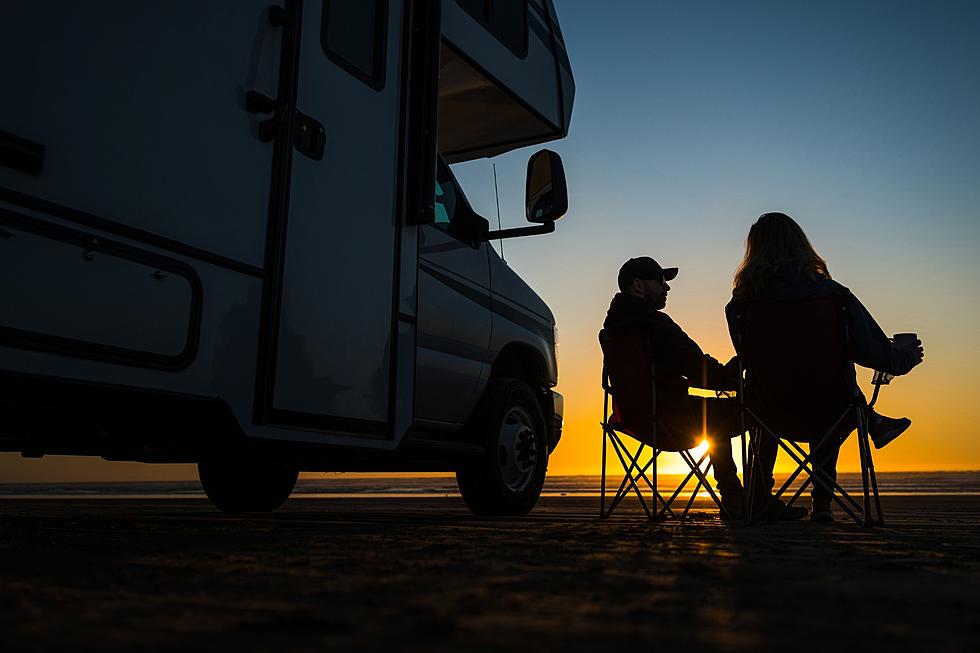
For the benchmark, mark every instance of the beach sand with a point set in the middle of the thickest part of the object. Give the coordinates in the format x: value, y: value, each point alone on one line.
x: 423, y: 574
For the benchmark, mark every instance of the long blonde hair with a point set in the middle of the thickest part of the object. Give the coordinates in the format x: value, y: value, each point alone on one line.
x: 775, y: 240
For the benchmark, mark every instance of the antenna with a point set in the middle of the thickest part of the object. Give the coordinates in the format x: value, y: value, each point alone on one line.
x: 497, y: 195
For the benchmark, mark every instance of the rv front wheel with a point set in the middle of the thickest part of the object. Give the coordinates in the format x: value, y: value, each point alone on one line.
x: 247, y: 485
x: 508, y: 479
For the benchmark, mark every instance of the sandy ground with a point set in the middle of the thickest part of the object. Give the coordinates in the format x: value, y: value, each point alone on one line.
x: 424, y: 575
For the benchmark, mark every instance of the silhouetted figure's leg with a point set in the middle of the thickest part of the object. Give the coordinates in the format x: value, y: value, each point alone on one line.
x: 721, y: 423
x: 825, y: 461
x: 825, y: 465
x: 767, y: 449
x: 718, y: 419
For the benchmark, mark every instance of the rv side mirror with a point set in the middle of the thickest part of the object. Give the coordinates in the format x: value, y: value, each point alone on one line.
x: 546, y: 195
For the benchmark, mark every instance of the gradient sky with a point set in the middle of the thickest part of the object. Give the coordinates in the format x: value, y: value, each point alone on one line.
x: 859, y: 119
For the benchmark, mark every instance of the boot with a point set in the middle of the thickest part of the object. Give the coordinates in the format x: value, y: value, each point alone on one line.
x: 885, y: 429
x: 777, y: 509
x: 821, y: 511
x: 734, y: 503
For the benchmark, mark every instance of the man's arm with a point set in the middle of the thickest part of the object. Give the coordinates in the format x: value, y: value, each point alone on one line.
x: 677, y: 352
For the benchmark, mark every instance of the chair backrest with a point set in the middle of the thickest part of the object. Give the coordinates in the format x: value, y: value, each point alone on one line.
x: 798, y: 371
x: 628, y: 377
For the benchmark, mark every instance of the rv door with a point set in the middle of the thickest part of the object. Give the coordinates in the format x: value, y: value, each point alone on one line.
x: 333, y: 353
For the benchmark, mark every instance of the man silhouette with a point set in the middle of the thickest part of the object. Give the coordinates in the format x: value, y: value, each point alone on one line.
x: 680, y: 363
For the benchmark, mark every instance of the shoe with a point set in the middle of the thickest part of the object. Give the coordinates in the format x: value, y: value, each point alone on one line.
x: 822, y: 512
x: 781, y: 512
x: 885, y: 429
x: 778, y: 511
x: 734, y: 503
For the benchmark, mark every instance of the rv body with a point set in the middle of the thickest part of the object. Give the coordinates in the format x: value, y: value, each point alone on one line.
x: 229, y: 233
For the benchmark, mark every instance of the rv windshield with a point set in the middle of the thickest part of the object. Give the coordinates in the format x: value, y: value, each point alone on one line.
x: 446, y: 192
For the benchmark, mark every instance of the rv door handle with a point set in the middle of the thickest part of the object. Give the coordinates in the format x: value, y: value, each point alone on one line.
x: 269, y: 129
x: 256, y: 102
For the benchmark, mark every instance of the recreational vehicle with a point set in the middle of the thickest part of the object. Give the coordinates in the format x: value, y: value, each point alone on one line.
x: 230, y: 236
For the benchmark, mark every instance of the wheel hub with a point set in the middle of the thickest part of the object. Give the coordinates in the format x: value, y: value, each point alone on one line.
x: 517, y: 449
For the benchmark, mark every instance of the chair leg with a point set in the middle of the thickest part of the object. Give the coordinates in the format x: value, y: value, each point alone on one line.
x: 808, y: 458
x: 800, y: 490
x: 749, y: 473
x: 745, y: 468
x: 803, y: 461
x: 624, y: 488
x: 843, y: 494
x: 880, y: 518
x: 652, y: 484
x: 874, y: 487
x: 868, y: 478
x: 602, y: 486
x: 703, y: 480
x: 629, y: 481
x: 657, y: 513
x: 633, y: 474
x: 697, y: 487
x: 624, y: 485
x: 805, y: 465
x: 755, y: 478
x: 865, y: 481
x: 629, y: 474
x: 680, y: 488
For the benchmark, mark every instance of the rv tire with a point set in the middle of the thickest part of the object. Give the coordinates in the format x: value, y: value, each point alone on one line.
x: 247, y: 485
x: 508, y: 478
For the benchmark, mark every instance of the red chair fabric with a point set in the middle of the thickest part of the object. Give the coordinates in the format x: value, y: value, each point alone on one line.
x: 627, y: 359
x: 800, y: 385
x: 798, y: 373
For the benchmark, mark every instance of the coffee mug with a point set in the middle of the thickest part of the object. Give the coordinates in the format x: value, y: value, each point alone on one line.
x: 904, y: 340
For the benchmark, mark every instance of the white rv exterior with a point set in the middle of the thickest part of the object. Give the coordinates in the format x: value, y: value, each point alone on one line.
x: 228, y: 235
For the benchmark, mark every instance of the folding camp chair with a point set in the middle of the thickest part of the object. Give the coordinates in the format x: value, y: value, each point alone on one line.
x: 799, y: 386
x: 629, y: 409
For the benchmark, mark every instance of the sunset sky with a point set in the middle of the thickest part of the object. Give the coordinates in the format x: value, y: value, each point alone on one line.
x: 859, y: 119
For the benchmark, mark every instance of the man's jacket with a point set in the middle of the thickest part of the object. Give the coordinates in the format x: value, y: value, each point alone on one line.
x: 678, y: 360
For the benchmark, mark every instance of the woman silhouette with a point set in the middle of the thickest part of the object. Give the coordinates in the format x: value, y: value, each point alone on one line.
x: 781, y: 265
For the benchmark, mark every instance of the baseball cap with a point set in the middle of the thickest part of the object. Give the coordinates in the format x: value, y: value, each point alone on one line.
x: 643, y: 267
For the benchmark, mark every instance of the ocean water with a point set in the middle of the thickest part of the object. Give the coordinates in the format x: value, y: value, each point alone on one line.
x: 360, y: 485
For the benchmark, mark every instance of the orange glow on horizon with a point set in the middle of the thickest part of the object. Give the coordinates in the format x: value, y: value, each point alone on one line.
x: 943, y: 414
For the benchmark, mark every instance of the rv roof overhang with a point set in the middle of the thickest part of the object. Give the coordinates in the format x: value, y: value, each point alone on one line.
x: 492, y: 100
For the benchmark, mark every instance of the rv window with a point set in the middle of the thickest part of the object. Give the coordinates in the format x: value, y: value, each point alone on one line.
x: 479, y: 9
x: 445, y: 196
x: 509, y: 23
x: 505, y: 19
x: 353, y: 35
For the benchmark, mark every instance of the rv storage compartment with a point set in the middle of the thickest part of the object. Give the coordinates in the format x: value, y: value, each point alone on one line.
x: 74, y: 294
